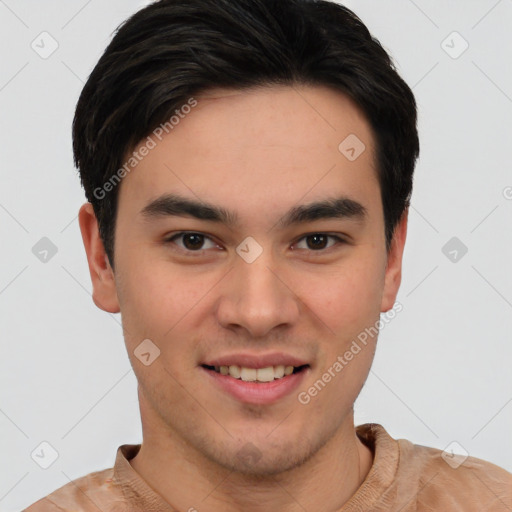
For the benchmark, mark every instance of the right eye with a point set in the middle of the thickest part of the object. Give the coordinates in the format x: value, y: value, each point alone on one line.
x: 190, y: 241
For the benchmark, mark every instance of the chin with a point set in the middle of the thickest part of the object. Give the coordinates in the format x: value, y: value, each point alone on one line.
x: 251, y: 462
x: 261, y: 457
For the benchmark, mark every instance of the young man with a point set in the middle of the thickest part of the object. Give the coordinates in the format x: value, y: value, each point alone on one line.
x: 248, y: 166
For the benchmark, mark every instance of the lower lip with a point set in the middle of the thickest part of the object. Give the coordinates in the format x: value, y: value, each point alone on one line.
x: 258, y: 392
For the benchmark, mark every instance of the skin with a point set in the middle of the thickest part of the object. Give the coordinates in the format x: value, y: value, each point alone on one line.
x: 258, y: 153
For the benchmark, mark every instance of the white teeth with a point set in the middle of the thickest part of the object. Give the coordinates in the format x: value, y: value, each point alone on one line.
x: 234, y: 371
x: 248, y: 374
x: 267, y: 374
x: 279, y: 371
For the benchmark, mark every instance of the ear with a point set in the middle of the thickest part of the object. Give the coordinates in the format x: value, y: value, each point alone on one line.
x: 104, y: 292
x: 393, y: 275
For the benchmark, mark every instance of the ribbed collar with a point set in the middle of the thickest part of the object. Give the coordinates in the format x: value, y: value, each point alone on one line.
x: 142, y: 497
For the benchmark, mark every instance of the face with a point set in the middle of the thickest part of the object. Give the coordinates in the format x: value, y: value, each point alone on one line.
x: 268, y: 289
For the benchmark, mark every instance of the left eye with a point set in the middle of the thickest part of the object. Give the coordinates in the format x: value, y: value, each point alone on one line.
x: 319, y: 241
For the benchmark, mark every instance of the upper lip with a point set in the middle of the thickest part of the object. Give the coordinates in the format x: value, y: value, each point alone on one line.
x: 256, y: 360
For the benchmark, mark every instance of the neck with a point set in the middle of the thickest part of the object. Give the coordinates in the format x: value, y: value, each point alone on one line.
x: 187, y: 480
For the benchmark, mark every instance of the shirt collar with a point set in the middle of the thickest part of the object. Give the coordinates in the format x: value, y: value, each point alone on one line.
x: 136, y: 491
x: 385, y: 449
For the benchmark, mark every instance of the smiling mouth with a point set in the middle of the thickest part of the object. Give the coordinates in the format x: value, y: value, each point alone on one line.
x: 267, y: 374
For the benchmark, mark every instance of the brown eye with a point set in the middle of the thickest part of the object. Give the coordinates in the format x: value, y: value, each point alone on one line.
x: 319, y: 241
x: 191, y: 242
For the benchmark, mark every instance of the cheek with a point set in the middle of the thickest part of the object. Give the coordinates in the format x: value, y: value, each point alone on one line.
x: 164, y: 304
x: 160, y: 306
x: 147, y: 301
x: 347, y: 298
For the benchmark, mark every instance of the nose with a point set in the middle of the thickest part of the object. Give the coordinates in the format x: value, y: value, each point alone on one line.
x: 257, y: 298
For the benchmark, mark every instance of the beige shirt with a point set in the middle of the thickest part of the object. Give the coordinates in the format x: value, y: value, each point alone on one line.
x: 404, y: 477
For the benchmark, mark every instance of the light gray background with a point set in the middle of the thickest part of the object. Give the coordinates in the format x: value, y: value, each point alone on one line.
x: 442, y: 368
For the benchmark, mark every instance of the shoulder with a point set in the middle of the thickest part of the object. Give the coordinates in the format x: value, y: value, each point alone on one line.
x: 455, y: 482
x: 92, y: 492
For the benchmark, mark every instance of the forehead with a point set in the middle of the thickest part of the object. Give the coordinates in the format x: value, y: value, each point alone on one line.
x: 268, y: 146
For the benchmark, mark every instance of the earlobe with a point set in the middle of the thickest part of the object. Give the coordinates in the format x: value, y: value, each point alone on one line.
x: 104, y: 292
x: 393, y: 276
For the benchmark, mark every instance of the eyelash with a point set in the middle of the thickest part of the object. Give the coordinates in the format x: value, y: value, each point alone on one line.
x: 198, y: 252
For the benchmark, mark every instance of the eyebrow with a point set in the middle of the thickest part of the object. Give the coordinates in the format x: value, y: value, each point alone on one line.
x: 173, y: 205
